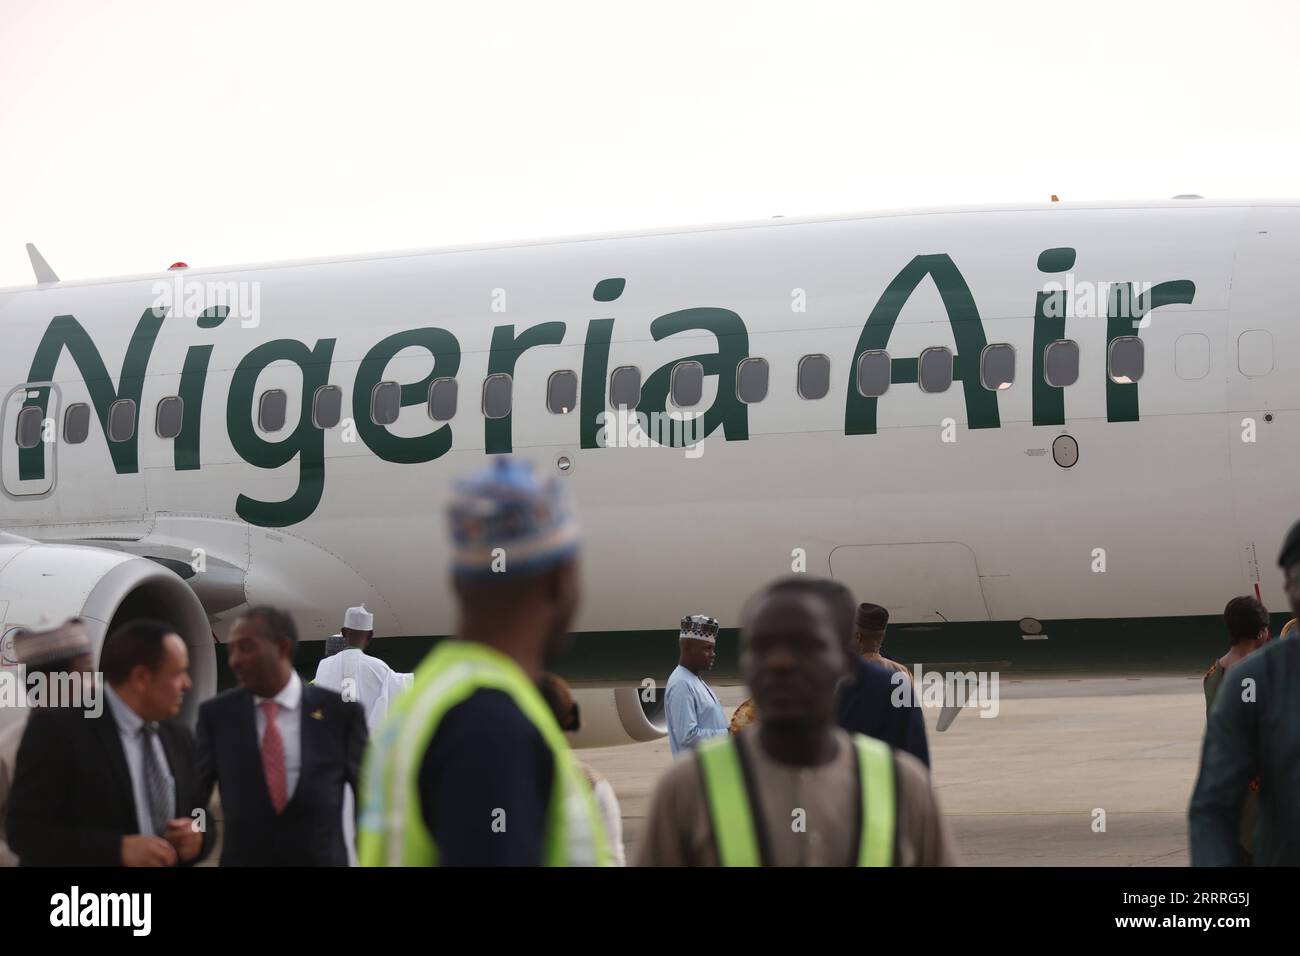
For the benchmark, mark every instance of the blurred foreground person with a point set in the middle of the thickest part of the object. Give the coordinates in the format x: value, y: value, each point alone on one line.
x: 471, y: 768
x: 282, y: 751
x: 45, y: 655
x: 560, y: 698
x: 1254, y: 731
x: 691, y: 708
x: 795, y: 790
x: 117, y: 785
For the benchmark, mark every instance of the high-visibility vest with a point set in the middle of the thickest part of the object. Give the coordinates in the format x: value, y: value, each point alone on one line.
x: 734, y: 827
x: 391, y: 829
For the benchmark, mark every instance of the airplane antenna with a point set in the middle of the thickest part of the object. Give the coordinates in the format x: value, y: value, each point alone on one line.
x: 44, y: 274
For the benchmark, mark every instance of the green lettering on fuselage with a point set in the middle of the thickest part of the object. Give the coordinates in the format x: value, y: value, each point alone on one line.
x: 307, y: 441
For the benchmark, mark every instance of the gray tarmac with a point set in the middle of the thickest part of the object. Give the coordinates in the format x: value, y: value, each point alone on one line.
x: 1025, y: 787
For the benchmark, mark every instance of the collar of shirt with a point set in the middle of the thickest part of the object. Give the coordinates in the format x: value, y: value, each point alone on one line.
x: 128, y: 721
x: 290, y: 694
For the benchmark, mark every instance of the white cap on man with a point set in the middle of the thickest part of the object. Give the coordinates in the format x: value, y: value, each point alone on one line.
x: 359, y: 619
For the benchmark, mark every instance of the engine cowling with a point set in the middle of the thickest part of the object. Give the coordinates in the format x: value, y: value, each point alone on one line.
x: 618, y: 715
x: 43, y: 584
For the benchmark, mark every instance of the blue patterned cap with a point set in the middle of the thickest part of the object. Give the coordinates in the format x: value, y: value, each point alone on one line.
x: 335, y: 643
x: 506, y: 506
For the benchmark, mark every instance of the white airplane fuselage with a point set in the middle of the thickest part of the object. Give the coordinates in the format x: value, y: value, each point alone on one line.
x: 949, y: 506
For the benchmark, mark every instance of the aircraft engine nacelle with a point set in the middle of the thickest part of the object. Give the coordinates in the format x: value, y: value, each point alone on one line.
x: 618, y: 715
x: 44, y: 584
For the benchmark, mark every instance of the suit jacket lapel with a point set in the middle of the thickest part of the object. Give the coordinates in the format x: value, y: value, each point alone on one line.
x: 308, y: 728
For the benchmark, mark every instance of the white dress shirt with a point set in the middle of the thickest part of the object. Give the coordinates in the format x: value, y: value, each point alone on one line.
x: 129, y: 726
x: 289, y: 719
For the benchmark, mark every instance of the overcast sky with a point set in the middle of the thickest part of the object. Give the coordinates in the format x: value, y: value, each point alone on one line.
x: 136, y: 134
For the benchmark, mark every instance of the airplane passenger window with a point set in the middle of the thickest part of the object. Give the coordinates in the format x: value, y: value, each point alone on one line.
x: 687, y: 385
x: 385, y: 403
x: 29, y: 427
x: 327, y: 406
x: 497, y: 395
x: 814, y: 376
x: 121, y: 420
x: 1061, y: 363
x: 1126, y: 359
x: 442, y: 399
x: 997, y: 367
x: 751, y: 380
x: 1192, y: 356
x: 625, y: 386
x: 1255, y: 353
x: 873, y: 373
x: 167, y: 420
x: 76, y: 423
x: 272, y: 410
x: 934, y: 370
x: 562, y: 392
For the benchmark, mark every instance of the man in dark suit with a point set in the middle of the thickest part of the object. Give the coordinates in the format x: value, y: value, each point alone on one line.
x: 282, y: 751
x: 873, y: 700
x: 879, y: 702
x: 116, y: 782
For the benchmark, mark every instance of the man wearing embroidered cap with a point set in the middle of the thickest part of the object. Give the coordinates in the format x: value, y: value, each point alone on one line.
x: 471, y: 767
x: 869, y: 635
x: 50, y: 652
x: 358, y: 676
x: 367, y: 680
x: 692, y: 709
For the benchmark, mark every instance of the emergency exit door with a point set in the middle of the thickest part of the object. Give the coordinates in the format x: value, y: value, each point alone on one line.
x: 29, y: 440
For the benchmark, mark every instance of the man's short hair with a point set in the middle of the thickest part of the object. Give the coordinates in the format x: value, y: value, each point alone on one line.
x: 1245, y: 617
x: 279, y: 624
x: 1290, y: 553
x: 838, y: 598
x: 134, y: 643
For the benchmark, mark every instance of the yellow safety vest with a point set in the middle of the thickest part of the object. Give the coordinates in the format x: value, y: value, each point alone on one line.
x: 733, y: 822
x: 391, y: 829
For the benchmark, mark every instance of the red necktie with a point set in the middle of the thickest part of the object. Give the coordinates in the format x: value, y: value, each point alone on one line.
x: 273, y: 757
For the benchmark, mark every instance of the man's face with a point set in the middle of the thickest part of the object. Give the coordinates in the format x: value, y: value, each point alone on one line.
x: 792, y: 659
x: 1292, y: 575
x: 700, y: 654
x: 162, y: 691
x: 255, y: 657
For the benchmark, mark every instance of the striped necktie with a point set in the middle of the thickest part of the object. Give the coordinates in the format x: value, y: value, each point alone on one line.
x: 156, y: 790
